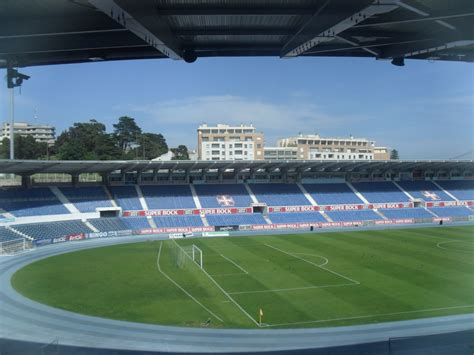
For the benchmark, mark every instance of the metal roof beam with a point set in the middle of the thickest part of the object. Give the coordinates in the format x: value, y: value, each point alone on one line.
x: 235, y: 31
x: 356, y: 44
x: 229, y: 11
x: 360, y: 11
x: 425, y: 47
x: 158, y: 35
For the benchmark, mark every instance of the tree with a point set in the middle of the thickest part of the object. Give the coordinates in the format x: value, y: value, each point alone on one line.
x: 26, y: 147
x: 151, y: 145
x: 127, y: 133
x: 394, y: 154
x: 180, y: 153
x: 87, y: 141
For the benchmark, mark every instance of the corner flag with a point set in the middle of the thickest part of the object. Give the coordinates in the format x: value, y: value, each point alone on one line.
x: 260, y: 316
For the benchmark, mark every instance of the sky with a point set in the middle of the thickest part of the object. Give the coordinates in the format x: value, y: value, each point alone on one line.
x: 425, y: 110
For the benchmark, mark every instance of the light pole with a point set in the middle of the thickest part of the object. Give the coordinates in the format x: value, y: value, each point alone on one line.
x: 14, y: 79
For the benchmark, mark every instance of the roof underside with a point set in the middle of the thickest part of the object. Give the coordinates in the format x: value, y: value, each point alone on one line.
x: 30, y: 167
x: 40, y: 32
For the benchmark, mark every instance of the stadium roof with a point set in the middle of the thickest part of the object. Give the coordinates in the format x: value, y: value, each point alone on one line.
x: 34, y: 32
x: 29, y: 167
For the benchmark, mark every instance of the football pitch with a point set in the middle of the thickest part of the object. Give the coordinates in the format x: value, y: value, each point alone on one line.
x: 294, y: 280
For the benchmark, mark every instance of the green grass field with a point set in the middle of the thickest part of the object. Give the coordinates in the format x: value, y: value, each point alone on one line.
x: 299, y: 280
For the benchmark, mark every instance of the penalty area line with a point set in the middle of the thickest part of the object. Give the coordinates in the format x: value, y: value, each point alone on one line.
x: 182, y: 289
x: 237, y: 265
x: 370, y: 316
x: 290, y: 289
x: 224, y: 291
x: 314, y: 264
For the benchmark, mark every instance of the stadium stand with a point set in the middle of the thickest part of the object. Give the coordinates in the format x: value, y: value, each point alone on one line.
x: 401, y: 213
x: 353, y: 216
x: 53, y: 229
x: 112, y: 223
x: 452, y: 211
x: 424, y: 190
x: 332, y: 194
x: 31, y: 202
x: 461, y: 189
x: 6, y: 234
x: 235, y: 219
x: 168, y: 196
x: 296, y: 217
x: 136, y: 222
x: 178, y: 221
x: 87, y: 198
x: 126, y: 197
x: 223, y: 195
x: 381, y: 192
x: 276, y: 194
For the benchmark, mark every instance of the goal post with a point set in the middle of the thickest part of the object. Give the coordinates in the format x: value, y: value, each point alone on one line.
x: 15, y: 246
x: 197, y: 256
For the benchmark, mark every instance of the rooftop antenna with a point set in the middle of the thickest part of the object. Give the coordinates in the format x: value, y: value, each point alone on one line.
x: 36, y: 115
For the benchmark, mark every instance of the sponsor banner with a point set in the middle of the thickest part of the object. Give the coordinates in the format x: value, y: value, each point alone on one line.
x: 97, y: 235
x: 174, y: 230
x: 227, y: 228
x: 124, y: 233
x: 215, y: 234
x: 449, y: 203
x: 180, y: 235
x: 232, y: 210
x: 396, y: 221
x: 390, y: 205
x: 43, y: 242
x: 444, y: 219
x: 59, y: 239
x: 343, y: 207
x: 78, y: 236
x: 305, y: 225
x: 294, y: 209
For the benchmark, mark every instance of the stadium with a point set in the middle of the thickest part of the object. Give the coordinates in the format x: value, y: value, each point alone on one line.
x: 235, y: 256
x: 256, y: 245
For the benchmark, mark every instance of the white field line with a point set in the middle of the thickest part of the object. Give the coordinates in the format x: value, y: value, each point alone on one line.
x: 455, y: 250
x: 326, y: 261
x: 224, y: 291
x: 229, y: 274
x: 233, y: 262
x: 182, y: 289
x: 314, y: 264
x: 290, y: 289
x: 371, y: 316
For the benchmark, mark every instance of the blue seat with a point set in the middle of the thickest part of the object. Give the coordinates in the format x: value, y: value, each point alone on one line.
x: 276, y: 194
x: 38, y: 201
x: 424, y: 190
x: 168, y: 196
x: 126, y: 197
x: 401, y: 213
x: 87, y: 198
x: 235, y: 219
x: 297, y: 217
x: 332, y: 194
x: 223, y: 195
x: 452, y: 211
x: 178, y: 221
x: 381, y: 192
x: 353, y: 216
x: 53, y: 229
x: 461, y: 189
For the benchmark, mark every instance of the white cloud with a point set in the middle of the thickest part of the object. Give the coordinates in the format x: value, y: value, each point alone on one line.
x: 274, y: 119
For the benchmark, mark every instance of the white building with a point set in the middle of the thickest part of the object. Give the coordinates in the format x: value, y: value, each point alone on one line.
x: 225, y: 142
x: 41, y: 133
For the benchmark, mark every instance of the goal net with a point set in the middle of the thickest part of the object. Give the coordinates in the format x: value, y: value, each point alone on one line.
x: 184, y: 256
x: 12, y: 247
